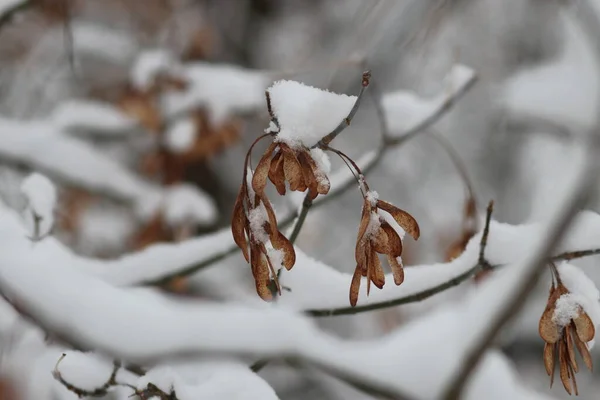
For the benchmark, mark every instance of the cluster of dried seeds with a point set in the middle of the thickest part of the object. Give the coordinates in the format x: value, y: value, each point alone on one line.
x: 293, y: 166
x: 562, y: 338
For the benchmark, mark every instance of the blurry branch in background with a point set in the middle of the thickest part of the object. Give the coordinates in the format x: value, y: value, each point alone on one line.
x: 526, y: 276
x: 8, y: 14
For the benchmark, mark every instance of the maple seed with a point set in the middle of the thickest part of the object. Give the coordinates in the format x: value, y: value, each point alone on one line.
x: 254, y: 225
x: 376, y: 236
x: 560, y: 340
x: 281, y: 163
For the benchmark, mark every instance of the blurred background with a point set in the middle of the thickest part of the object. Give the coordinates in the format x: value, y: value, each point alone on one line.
x: 160, y: 100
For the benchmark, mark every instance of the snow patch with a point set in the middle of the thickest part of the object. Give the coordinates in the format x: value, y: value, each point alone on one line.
x: 306, y: 114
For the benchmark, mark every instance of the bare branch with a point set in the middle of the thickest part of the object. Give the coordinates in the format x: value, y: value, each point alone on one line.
x: 366, y: 76
x: 97, y: 392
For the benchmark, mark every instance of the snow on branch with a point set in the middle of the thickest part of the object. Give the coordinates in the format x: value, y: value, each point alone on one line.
x: 224, y: 90
x: 323, y: 290
x: 40, y: 146
x: 40, y: 195
x: 123, y: 324
x: 406, y: 112
x: 87, y: 116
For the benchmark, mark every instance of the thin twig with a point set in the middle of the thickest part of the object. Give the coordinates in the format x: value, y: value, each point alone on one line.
x: 481, y: 261
x: 306, y: 204
x: 366, y: 77
x: 437, y: 115
x: 97, y: 392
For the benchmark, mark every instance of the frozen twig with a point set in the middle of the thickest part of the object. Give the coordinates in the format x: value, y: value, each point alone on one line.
x: 97, y: 392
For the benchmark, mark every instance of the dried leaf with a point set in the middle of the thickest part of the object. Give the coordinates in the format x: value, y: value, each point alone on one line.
x: 584, y: 351
x: 404, y: 219
x: 549, y: 331
x: 308, y: 174
x: 260, y: 271
x: 292, y: 171
x: 397, y: 270
x: 394, y: 241
x: 570, y: 350
x: 364, y: 220
x: 377, y: 276
x: 276, y: 174
x: 259, y: 179
x: 572, y: 375
x: 563, y: 364
x: 379, y: 242
x: 549, y: 359
x: 584, y: 327
x: 289, y: 254
x: 238, y: 223
x: 355, y: 286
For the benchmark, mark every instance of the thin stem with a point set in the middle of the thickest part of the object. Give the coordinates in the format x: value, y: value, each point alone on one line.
x: 484, y: 237
x: 436, y: 116
x: 366, y: 77
x: 306, y: 205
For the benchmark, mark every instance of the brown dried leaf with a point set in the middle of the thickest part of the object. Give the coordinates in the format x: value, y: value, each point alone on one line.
x: 364, y: 220
x: 380, y: 242
x: 377, y: 276
x: 276, y: 174
x: 238, y: 223
x: 397, y: 270
x: 259, y: 180
x: 394, y: 241
x: 584, y: 351
x: 570, y: 349
x: 260, y: 271
x: 308, y: 173
x: 289, y: 254
x: 563, y: 365
x: 549, y: 359
x: 584, y: 327
x: 549, y: 331
x: 404, y: 219
x: 292, y: 170
x: 355, y: 286
x: 572, y: 375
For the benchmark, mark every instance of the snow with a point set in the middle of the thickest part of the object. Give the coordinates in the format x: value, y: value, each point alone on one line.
x: 92, y: 116
x: 77, y: 163
x: 148, y: 65
x: 258, y: 217
x: 74, y: 161
x: 321, y: 159
x: 372, y: 197
x: 584, y: 294
x: 181, y: 135
x: 186, y: 204
x: 507, y: 244
x: 306, y: 114
x: 407, y: 110
x: 41, y: 196
x: 87, y: 371
x: 121, y: 323
x: 568, y: 307
x: 209, y: 380
x: 7, y: 5
x: 100, y: 40
x: 564, y: 90
x: 224, y: 90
